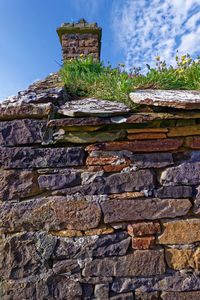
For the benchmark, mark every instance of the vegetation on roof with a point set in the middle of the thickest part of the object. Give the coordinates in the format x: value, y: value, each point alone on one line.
x: 86, y: 77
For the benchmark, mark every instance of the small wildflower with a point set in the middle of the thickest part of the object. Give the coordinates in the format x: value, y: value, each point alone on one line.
x: 158, y: 57
x: 71, y: 59
x: 185, y: 61
x: 183, y: 57
x: 189, y: 59
x: 181, y: 71
x: 122, y: 65
x: 134, y: 67
x: 81, y: 55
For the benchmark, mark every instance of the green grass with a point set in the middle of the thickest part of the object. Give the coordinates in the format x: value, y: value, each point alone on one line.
x: 85, y: 77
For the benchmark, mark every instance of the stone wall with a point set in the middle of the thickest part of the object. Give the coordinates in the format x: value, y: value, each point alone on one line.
x: 98, y: 201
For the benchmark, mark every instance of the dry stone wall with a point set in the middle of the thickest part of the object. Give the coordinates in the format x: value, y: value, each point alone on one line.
x: 98, y: 201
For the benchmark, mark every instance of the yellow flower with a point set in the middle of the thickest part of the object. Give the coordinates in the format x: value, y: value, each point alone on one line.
x: 189, y: 59
x: 181, y: 71
x: 81, y: 55
x: 185, y: 61
x: 122, y: 65
x: 158, y: 57
x: 133, y: 67
x: 183, y: 57
x: 70, y: 59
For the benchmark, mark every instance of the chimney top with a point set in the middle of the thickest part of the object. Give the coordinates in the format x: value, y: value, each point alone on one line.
x: 81, y: 37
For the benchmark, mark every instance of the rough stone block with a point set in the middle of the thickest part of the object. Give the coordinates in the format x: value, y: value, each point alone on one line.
x: 139, y: 146
x: 18, y: 132
x: 126, y: 296
x: 25, y: 254
x: 26, y: 110
x: 143, y: 228
x: 50, y: 213
x: 179, y: 259
x: 146, y: 296
x: 146, y: 209
x: 58, y: 181
x: 134, y: 264
x: 101, y: 291
x: 29, y: 157
x: 187, y: 173
x: 196, y: 208
x: 143, y: 242
x: 119, y: 183
x: 180, y: 232
x: 181, y: 295
x: 175, y: 282
x: 182, y: 191
x: 15, y: 184
x: 151, y: 160
x: 93, y: 246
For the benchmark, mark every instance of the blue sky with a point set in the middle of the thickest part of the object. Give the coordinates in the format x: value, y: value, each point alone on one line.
x: 134, y: 33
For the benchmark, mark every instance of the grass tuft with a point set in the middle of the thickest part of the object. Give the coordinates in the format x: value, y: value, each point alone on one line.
x: 85, y: 77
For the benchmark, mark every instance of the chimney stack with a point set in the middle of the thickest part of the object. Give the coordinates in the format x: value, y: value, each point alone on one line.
x: 80, y: 38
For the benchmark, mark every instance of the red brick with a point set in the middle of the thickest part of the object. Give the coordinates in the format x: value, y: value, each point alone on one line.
x: 101, y: 161
x: 193, y: 142
x: 143, y: 242
x: 114, y: 168
x: 128, y: 195
x: 143, y: 228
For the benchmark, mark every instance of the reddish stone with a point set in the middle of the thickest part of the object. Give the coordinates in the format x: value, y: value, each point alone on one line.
x: 193, y: 142
x: 128, y: 195
x: 93, y: 169
x: 138, y: 146
x: 101, y: 161
x: 146, y: 136
x: 114, y: 168
x: 142, y: 130
x: 143, y: 228
x: 143, y: 242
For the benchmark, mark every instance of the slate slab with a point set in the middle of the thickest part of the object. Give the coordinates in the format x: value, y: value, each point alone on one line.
x: 168, y: 98
x: 93, y: 107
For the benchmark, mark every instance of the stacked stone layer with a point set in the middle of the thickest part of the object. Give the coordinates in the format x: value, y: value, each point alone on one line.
x: 98, y: 201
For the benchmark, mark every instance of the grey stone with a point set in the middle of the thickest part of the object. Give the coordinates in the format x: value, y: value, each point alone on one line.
x: 101, y: 291
x: 96, y: 280
x: 180, y: 295
x: 27, y: 110
x: 187, y: 173
x: 92, y: 107
x: 146, y: 209
x: 174, y: 192
x: 170, y: 98
x: 49, y: 213
x: 196, y: 208
x: 15, y: 184
x: 66, y: 267
x: 87, y: 291
x: 172, y: 282
x: 126, y: 296
x: 53, y: 95
x: 120, y: 182
x: 18, y: 132
x: 25, y: 254
x: 93, y: 246
x: 30, y: 157
x: 146, y: 296
x: 151, y: 160
x: 134, y: 264
x: 59, y: 181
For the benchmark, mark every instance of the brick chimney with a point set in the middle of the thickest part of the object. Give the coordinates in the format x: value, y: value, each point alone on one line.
x: 80, y: 38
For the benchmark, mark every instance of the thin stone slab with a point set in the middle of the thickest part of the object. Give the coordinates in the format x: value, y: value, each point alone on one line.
x: 93, y: 107
x: 183, y: 99
x: 27, y: 110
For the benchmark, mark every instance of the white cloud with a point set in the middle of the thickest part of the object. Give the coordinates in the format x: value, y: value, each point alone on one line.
x: 145, y: 29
